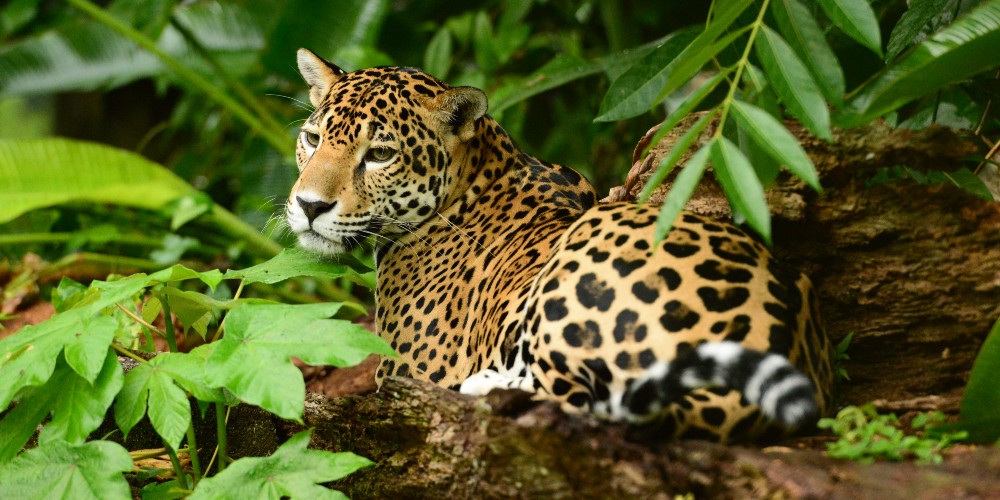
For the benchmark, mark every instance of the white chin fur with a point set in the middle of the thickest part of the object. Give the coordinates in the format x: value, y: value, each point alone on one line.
x: 310, y: 240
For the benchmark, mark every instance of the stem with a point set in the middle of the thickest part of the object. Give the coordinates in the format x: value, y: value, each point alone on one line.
x: 125, y: 352
x: 214, y: 92
x: 168, y: 324
x: 257, y: 243
x: 115, y: 262
x: 141, y: 321
x: 742, y: 63
x: 181, y: 477
x: 220, y: 426
x: 20, y: 238
x: 241, y: 90
x: 218, y: 331
x: 193, y: 452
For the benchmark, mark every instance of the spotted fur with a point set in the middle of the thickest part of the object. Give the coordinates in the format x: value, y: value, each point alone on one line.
x: 497, y: 269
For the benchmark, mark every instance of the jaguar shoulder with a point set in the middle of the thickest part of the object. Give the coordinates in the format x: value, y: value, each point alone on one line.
x: 497, y: 269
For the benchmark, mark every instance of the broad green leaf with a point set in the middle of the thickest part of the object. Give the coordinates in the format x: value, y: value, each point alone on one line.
x: 437, y: 57
x: 857, y: 19
x: 150, y: 386
x: 170, y: 490
x: 130, y: 404
x: 293, y: 471
x: 188, y: 370
x: 79, y: 407
x: 292, y: 262
x: 21, y: 422
x: 965, y: 48
x: 634, y: 92
x: 28, y: 357
x: 981, y: 400
x: 45, y: 172
x: 680, y: 192
x: 178, y: 272
x: 806, y: 38
x: 253, y: 358
x: 557, y: 72
x: 910, y: 27
x: 193, y: 309
x: 772, y: 136
x: 169, y: 410
x: 86, y: 353
x: 187, y: 208
x: 67, y: 294
x: 676, y: 152
x: 741, y: 185
x: 792, y: 82
x: 62, y: 470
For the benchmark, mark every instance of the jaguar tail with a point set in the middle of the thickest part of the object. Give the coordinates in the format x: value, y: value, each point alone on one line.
x: 784, y: 394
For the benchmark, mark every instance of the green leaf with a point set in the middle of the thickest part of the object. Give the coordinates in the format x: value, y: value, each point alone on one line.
x: 39, y: 173
x: 62, y: 470
x: 799, y: 26
x: 970, y: 182
x: 293, y: 471
x: 194, y: 309
x: 86, y: 353
x: 741, y: 185
x: 65, y: 295
x: 292, y: 262
x: 681, y: 147
x: 910, y: 27
x: 28, y: 357
x: 772, y: 136
x: 680, y: 192
x: 685, y: 108
x: 21, y: 422
x: 79, y: 406
x: 634, y: 92
x: 181, y: 273
x: 792, y: 82
x: 557, y: 72
x: 253, y: 358
x: 857, y: 19
x: 150, y: 386
x: 981, y: 400
x: 965, y: 48
x: 187, y: 208
x: 188, y: 370
x: 482, y: 43
x: 648, y: 83
x: 437, y: 58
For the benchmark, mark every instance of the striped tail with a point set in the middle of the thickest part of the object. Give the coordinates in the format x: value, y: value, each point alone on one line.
x: 783, y: 393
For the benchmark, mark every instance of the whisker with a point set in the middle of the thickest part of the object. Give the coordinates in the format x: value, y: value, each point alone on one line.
x: 301, y: 104
x: 463, y: 233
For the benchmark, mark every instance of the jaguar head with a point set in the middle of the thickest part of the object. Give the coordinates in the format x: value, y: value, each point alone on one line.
x: 385, y: 149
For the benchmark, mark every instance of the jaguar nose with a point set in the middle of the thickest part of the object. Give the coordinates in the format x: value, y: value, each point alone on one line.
x: 314, y: 209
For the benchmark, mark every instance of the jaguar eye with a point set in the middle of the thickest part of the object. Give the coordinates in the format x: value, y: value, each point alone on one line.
x: 380, y: 154
x: 312, y: 138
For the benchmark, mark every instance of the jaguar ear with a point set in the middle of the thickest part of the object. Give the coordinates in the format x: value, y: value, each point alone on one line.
x: 460, y: 107
x: 319, y: 73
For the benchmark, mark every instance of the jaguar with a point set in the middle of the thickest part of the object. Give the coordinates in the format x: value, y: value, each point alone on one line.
x: 496, y: 269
